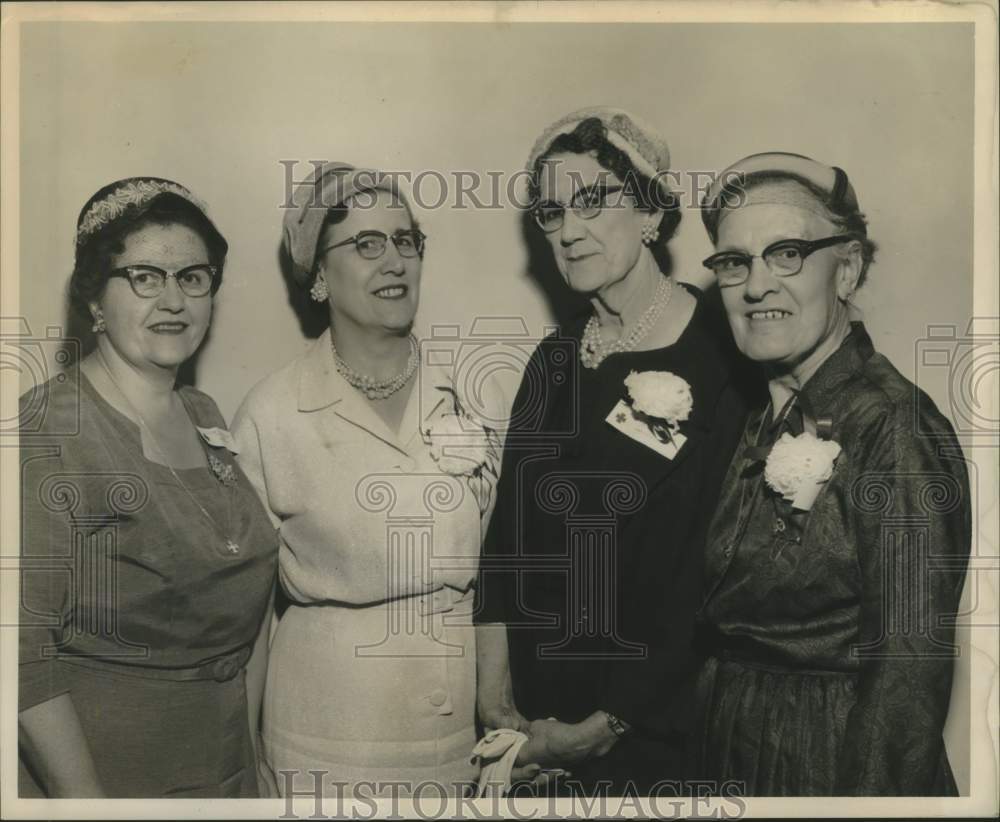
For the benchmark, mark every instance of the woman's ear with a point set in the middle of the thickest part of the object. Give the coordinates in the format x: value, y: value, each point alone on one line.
x: 849, y: 270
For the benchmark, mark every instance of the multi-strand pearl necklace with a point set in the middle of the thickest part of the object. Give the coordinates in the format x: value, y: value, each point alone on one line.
x: 593, y: 349
x: 372, y: 388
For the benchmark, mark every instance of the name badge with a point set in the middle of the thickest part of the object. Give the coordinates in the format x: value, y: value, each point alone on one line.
x: 624, y: 419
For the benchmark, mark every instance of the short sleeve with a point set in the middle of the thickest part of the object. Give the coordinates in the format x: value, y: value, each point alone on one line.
x: 250, y: 457
x: 496, y: 589
x: 46, y: 568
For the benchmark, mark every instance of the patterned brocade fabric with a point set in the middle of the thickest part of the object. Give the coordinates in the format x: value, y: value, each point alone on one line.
x: 828, y: 632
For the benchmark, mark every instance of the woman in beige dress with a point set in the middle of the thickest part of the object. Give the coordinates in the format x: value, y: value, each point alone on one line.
x: 380, y: 481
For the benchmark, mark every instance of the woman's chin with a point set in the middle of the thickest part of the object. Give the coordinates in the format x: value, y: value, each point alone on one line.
x: 768, y: 352
x: 398, y: 324
x: 586, y: 282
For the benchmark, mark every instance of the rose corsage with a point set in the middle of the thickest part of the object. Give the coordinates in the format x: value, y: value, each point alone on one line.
x: 659, y: 401
x: 798, y: 467
x: 663, y: 397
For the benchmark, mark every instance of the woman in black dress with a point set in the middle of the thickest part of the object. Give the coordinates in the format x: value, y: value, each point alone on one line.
x: 619, y: 437
x: 838, y: 553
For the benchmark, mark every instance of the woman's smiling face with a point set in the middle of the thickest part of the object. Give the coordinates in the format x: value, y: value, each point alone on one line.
x: 380, y: 293
x: 156, y: 332
x: 784, y: 320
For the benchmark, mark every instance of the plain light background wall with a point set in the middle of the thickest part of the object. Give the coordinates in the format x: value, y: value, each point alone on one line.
x: 216, y: 106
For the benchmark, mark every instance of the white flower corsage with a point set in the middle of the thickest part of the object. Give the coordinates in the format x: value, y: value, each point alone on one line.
x: 797, y: 467
x: 663, y: 397
x: 458, y: 444
x: 462, y: 446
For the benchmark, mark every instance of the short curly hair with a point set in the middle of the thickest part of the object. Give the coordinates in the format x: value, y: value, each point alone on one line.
x: 591, y: 137
x: 94, y: 254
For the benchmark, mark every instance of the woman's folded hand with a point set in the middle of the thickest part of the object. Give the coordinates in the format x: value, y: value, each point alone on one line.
x: 497, y: 715
x: 554, y: 744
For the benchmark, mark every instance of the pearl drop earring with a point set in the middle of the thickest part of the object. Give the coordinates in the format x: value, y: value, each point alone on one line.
x: 650, y: 233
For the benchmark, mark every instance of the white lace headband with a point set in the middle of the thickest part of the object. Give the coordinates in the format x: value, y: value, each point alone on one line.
x: 133, y: 193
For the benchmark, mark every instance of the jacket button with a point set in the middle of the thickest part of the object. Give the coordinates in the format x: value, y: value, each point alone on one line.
x: 438, y: 698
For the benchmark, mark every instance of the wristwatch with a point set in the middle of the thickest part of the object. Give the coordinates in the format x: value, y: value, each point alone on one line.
x: 619, y: 727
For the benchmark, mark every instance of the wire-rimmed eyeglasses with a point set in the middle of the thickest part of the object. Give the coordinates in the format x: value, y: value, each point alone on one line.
x: 784, y: 258
x: 149, y: 281
x: 372, y: 244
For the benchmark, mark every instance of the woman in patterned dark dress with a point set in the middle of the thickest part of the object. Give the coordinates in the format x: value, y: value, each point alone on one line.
x: 838, y: 553
x: 619, y: 437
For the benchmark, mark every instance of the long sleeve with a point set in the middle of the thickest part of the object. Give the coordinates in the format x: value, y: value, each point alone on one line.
x: 913, y: 520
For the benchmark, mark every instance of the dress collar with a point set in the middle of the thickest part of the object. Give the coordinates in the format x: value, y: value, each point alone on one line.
x: 321, y: 386
x: 829, y: 379
x: 319, y: 383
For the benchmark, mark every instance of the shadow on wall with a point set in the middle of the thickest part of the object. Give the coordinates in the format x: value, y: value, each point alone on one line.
x: 313, y: 317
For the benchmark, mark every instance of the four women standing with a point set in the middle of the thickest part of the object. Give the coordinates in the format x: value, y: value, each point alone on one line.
x: 616, y: 617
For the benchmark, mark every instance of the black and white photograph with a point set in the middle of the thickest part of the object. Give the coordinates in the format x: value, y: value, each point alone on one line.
x: 479, y: 410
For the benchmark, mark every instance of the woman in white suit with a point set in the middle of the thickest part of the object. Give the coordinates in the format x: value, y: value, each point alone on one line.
x: 380, y: 482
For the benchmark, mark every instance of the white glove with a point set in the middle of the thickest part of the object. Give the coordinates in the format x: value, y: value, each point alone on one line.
x: 495, y: 753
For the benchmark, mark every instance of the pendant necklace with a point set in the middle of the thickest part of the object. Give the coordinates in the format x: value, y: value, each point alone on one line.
x: 231, y: 545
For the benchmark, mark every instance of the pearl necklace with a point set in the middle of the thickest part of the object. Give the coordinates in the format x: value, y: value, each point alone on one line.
x: 372, y: 388
x: 593, y: 349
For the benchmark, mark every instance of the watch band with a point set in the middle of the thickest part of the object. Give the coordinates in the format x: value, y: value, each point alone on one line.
x: 617, y: 726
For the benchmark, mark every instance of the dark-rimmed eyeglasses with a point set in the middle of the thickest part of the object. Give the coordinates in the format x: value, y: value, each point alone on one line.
x: 372, y: 244
x: 549, y: 215
x: 783, y: 258
x: 149, y: 281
